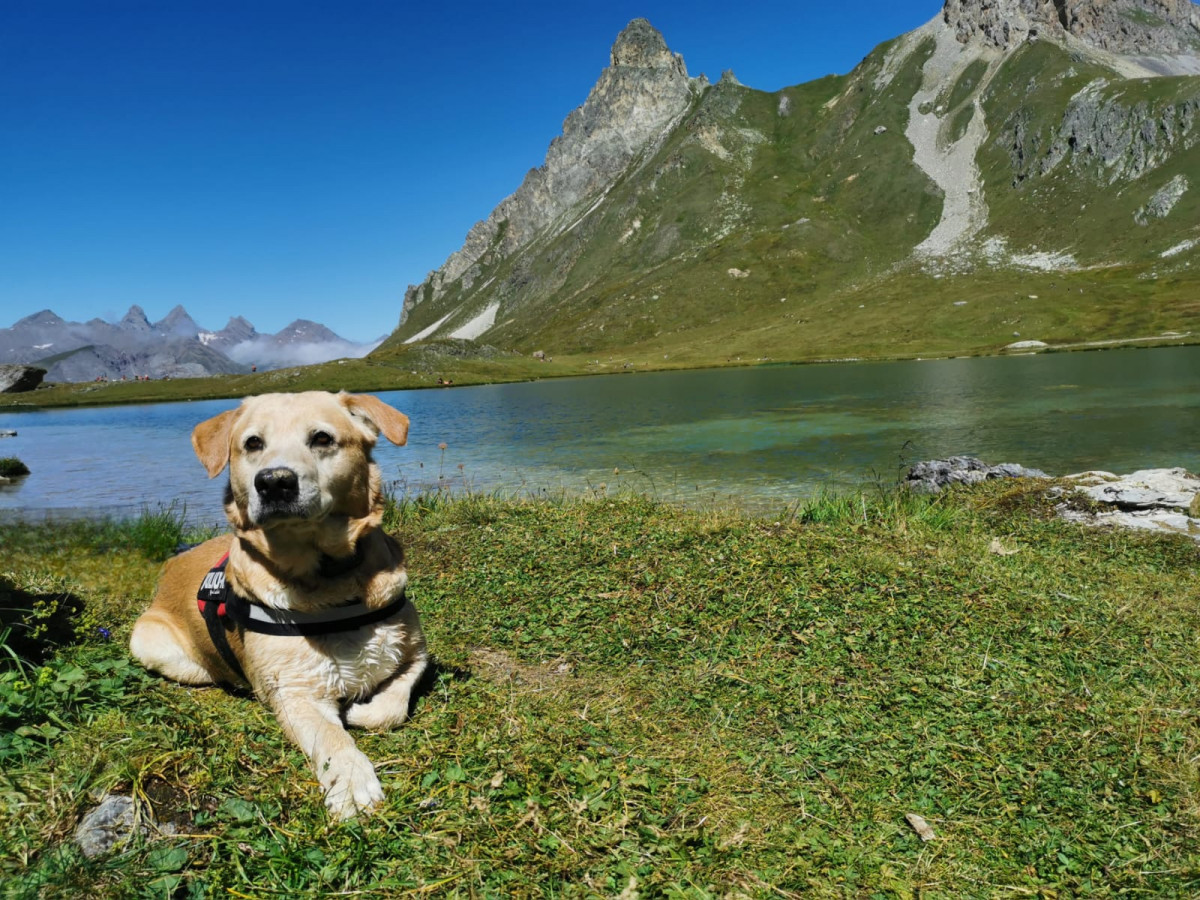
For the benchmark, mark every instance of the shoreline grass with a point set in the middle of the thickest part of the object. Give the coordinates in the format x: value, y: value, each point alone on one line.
x: 393, y: 374
x: 633, y: 698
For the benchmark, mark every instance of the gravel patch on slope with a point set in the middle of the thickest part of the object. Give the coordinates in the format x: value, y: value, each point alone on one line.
x: 952, y: 168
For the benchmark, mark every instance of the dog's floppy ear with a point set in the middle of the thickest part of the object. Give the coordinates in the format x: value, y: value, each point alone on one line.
x: 389, y: 422
x: 210, y: 440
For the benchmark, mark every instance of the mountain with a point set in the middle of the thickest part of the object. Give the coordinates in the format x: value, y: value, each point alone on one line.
x: 44, y: 319
x: 172, y: 359
x: 175, y: 346
x: 304, y: 331
x: 303, y: 342
x: 1013, y: 169
x: 236, y: 331
x: 134, y: 321
x: 178, y: 323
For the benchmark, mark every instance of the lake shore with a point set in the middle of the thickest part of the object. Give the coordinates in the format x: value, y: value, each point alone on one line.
x: 758, y: 437
x: 631, y: 694
x: 395, y: 373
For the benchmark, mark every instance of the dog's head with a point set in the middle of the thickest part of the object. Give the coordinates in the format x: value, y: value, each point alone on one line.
x: 299, y: 459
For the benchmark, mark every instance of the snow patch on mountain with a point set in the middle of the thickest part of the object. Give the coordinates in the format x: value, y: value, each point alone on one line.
x: 478, y: 325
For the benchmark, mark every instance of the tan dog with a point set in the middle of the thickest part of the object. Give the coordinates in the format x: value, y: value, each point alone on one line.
x: 311, y: 610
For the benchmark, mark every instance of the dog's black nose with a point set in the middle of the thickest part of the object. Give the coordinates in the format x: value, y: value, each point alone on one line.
x: 277, y: 485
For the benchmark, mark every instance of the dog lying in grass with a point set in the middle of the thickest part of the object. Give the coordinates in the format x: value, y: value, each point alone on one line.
x: 304, y: 602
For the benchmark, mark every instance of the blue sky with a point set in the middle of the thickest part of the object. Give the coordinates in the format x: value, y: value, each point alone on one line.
x: 284, y: 160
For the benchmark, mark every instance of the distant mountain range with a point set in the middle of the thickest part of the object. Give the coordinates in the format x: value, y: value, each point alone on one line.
x: 175, y: 346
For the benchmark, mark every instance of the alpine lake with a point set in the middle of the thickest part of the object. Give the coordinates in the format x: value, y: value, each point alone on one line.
x: 763, y: 438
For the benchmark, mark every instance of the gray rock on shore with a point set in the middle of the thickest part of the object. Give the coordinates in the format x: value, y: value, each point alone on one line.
x: 931, y: 475
x: 1163, y: 500
x: 16, y: 379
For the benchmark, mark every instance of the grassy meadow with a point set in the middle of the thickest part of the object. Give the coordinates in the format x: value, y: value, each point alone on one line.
x: 634, y: 700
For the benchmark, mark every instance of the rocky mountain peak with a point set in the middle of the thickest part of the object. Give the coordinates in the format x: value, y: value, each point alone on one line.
x: 135, y: 320
x: 1132, y: 27
x: 641, y: 46
x: 303, y: 331
x: 634, y: 104
x: 177, y: 321
x: 238, y: 328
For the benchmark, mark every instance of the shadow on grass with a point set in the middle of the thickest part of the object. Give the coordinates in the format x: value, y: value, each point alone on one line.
x: 33, y: 626
x: 434, y: 675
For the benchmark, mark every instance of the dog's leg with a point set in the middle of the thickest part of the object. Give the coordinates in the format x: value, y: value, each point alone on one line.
x: 157, y: 644
x: 345, y: 773
x: 388, y: 707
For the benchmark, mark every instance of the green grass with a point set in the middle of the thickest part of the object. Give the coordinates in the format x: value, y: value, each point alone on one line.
x: 966, y: 86
x: 631, y: 696
x: 1025, y: 104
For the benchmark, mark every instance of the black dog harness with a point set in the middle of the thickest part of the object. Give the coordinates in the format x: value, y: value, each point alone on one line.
x: 224, y: 610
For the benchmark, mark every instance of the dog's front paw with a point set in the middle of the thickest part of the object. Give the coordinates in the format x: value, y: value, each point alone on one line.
x: 350, y: 784
x: 380, y: 713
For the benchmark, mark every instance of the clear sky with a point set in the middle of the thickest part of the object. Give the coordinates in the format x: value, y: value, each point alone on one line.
x: 284, y: 160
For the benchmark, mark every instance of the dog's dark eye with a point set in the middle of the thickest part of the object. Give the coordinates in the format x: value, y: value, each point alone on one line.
x: 253, y: 444
x: 322, y: 439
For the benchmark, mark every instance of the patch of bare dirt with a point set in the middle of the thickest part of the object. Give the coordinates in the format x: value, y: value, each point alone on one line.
x: 499, y: 667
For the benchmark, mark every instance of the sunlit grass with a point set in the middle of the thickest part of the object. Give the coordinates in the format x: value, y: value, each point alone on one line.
x: 637, y: 697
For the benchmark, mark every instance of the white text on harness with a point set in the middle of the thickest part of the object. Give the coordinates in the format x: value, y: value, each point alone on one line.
x: 213, y: 581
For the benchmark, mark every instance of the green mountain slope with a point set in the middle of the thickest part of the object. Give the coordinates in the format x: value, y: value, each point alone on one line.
x: 947, y: 196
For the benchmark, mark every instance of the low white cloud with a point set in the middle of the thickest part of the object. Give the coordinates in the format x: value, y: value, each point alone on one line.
x: 266, y: 353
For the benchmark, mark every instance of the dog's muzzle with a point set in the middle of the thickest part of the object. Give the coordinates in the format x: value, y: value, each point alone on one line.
x: 278, y: 491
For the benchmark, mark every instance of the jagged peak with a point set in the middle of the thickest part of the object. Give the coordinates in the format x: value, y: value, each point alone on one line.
x: 641, y: 46
x: 177, y: 312
x: 135, y: 318
x: 237, y: 328
x: 632, y: 106
x: 177, y: 322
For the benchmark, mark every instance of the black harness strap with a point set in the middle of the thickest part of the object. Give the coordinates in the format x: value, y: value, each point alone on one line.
x: 264, y: 620
x: 211, y: 600
x: 223, y: 610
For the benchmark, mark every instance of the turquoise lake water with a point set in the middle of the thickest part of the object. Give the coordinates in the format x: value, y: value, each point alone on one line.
x: 761, y: 437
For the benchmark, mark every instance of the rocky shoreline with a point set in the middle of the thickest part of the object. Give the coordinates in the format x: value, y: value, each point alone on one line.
x: 1150, y: 499
x: 1160, y: 500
